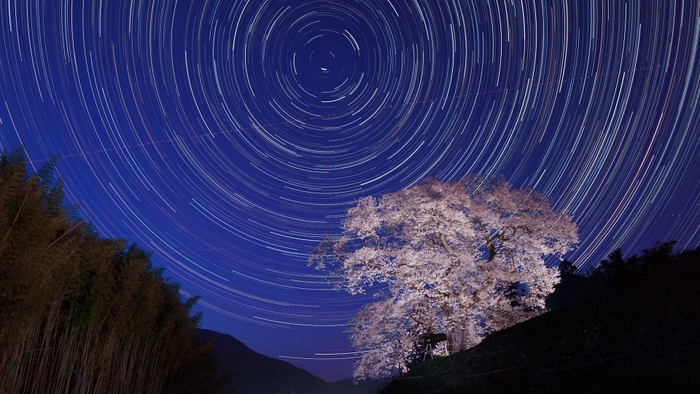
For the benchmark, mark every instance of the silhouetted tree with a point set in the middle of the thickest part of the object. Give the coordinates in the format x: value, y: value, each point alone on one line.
x: 613, y: 272
x: 658, y: 256
x: 614, y: 266
x: 572, y: 287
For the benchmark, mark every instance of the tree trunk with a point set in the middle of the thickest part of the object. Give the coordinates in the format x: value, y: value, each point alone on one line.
x: 457, y: 339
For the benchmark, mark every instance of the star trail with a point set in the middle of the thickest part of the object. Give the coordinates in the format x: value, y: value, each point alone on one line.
x: 229, y: 137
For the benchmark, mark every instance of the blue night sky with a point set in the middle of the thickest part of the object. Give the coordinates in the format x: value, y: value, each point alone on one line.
x: 228, y: 137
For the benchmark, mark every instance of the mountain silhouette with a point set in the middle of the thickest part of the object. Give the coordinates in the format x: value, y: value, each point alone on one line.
x: 248, y: 372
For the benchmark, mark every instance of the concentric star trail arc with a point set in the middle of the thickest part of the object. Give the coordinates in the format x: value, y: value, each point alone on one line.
x: 230, y: 137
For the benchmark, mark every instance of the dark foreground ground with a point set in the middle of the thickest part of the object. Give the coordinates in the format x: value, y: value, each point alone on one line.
x: 643, y: 337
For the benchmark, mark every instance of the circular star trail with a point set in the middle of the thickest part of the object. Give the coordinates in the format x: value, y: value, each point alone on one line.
x: 229, y: 137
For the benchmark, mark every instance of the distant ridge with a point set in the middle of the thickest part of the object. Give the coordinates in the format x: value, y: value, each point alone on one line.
x: 259, y: 374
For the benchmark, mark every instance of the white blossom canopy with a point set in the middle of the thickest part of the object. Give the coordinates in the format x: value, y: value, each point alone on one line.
x: 450, y: 254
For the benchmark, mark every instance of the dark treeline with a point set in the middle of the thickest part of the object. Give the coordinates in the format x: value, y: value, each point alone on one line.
x: 83, y: 314
x: 613, y: 272
x: 626, y: 326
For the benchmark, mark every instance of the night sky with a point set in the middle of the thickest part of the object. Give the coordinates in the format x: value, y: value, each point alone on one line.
x: 228, y: 137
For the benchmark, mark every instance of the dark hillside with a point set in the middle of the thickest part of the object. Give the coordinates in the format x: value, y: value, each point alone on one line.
x: 643, y: 335
x: 258, y: 373
x: 255, y: 373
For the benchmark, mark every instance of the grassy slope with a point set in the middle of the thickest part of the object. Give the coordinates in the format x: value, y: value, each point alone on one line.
x: 644, y: 335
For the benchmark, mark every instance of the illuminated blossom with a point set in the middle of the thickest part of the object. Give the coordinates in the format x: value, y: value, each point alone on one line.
x: 464, y: 259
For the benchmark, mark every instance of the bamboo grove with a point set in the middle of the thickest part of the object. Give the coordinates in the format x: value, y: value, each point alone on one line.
x: 84, y: 314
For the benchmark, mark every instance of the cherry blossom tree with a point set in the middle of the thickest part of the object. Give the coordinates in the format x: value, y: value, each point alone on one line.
x: 464, y: 259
